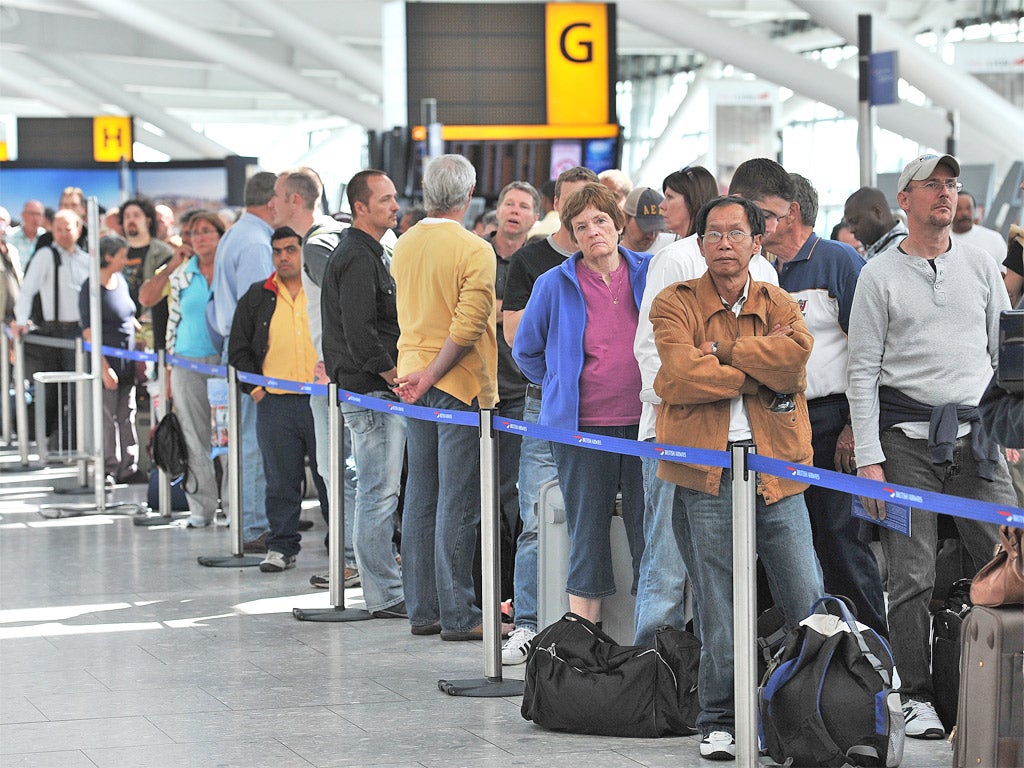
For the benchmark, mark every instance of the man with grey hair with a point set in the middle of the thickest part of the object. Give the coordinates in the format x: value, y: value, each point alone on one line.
x: 822, y: 276
x: 243, y: 258
x: 24, y: 236
x: 447, y: 358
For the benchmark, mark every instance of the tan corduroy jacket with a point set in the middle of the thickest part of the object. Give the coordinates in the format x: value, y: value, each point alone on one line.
x: 696, y: 389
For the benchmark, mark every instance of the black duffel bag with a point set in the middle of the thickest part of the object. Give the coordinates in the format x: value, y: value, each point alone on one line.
x: 579, y: 680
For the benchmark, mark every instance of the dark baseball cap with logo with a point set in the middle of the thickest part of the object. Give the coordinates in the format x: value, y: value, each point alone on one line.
x: 644, y: 205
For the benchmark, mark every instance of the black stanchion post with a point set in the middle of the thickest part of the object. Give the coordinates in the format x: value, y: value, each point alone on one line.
x: 335, y: 525
x: 491, y: 685
x: 744, y: 596
x: 237, y: 558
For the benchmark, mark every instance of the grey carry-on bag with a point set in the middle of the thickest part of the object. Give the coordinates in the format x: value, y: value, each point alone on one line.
x: 990, y: 718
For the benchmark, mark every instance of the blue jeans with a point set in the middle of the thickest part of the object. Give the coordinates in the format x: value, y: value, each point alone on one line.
x: 378, y: 447
x: 911, y: 559
x: 284, y: 425
x: 703, y: 525
x: 848, y: 565
x: 441, y: 518
x: 509, y: 451
x: 254, y: 482
x: 318, y: 405
x: 661, y: 591
x: 536, y: 467
x: 590, y: 480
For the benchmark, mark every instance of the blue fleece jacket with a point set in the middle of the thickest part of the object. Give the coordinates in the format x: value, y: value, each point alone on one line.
x: 549, y: 341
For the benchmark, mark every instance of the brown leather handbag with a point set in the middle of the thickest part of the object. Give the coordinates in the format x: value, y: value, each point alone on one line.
x: 1001, y: 579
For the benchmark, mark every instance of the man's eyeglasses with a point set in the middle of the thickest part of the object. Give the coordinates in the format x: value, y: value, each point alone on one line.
x: 735, y: 236
x: 936, y: 186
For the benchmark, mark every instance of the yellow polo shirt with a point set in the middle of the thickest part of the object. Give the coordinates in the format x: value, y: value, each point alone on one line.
x: 444, y: 278
x: 290, y: 351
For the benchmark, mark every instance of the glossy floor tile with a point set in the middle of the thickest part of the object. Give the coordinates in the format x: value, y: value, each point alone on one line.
x: 117, y: 650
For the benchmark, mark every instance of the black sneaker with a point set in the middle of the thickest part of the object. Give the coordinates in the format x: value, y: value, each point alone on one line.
x: 320, y: 582
x: 396, y: 611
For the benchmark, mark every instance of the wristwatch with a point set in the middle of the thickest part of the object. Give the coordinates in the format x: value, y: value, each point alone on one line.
x: 714, y: 347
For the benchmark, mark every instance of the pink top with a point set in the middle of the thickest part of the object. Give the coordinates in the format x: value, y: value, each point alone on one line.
x: 610, y: 382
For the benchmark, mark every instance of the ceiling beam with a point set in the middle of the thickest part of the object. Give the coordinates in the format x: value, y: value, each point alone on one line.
x: 306, y: 37
x: 771, y: 62
x: 106, y: 91
x: 948, y: 87
x: 210, y: 47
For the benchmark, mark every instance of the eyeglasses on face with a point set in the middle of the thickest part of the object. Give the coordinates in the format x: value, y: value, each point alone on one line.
x: 936, y: 186
x: 735, y: 236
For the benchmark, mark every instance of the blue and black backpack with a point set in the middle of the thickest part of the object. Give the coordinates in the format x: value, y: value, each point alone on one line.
x: 828, y: 698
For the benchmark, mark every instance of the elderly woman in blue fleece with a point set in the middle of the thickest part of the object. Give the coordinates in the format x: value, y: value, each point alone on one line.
x: 575, y: 339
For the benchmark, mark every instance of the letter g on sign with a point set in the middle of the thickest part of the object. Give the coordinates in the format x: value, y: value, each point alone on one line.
x: 579, y: 45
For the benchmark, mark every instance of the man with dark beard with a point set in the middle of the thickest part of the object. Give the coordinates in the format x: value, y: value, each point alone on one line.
x: 145, y: 252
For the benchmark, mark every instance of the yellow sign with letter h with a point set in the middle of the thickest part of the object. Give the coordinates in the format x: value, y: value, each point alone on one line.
x: 111, y: 138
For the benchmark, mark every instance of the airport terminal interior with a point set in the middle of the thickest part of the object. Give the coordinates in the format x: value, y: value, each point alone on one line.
x: 118, y: 648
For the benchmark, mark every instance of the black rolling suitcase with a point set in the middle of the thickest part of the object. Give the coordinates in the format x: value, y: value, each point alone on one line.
x: 990, y: 725
x: 946, y: 642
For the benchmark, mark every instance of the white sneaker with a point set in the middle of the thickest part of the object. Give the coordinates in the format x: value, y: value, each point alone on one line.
x: 275, y: 562
x: 922, y: 722
x: 718, y: 745
x: 517, y: 646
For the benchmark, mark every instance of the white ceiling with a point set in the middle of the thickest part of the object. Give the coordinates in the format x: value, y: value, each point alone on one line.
x: 181, y: 64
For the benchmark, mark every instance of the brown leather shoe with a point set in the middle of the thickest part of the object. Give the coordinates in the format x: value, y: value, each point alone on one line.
x: 256, y: 546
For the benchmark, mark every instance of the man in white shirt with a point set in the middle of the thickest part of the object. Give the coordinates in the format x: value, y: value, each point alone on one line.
x: 55, y: 274
x: 967, y: 230
x: 659, y: 597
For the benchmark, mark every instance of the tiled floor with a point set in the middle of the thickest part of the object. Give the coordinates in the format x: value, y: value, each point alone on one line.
x: 118, y: 650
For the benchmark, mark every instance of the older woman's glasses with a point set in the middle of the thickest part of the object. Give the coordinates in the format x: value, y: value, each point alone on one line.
x: 735, y: 236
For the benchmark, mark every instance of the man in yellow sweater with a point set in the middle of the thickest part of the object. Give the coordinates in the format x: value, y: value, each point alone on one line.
x: 270, y: 337
x: 447, y: 359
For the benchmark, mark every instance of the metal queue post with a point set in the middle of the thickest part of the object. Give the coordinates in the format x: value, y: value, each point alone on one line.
x: 491, y: 685
x: 335, y: 526
x: 744, y: 601
x: 237, y: 558
x: 82, y: 380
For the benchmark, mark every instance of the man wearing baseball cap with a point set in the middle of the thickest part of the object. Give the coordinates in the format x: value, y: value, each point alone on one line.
x: 644, y: 221
x: 923, y: 341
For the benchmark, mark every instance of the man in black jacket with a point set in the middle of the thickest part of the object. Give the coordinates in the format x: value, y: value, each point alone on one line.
x: 360, y: 345
x: 270, y: 337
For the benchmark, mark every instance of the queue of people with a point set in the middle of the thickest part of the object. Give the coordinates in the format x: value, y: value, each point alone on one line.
x: 742, y: 325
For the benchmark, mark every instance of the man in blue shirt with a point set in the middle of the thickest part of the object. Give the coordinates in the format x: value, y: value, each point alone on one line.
x: 822, y: 276
x: 243, y: 258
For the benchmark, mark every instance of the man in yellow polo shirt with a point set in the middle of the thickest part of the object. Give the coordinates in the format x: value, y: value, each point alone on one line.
x: 270, y: 337
x: 447, y: 359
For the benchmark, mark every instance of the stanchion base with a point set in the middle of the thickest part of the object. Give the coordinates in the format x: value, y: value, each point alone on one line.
x: 17, y: 467
x: 64, y: 511
x: 335, y: 614
x: 481, y: 688
x: 229, y: 561
x: 147, y: 519
x: 76, y: 490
